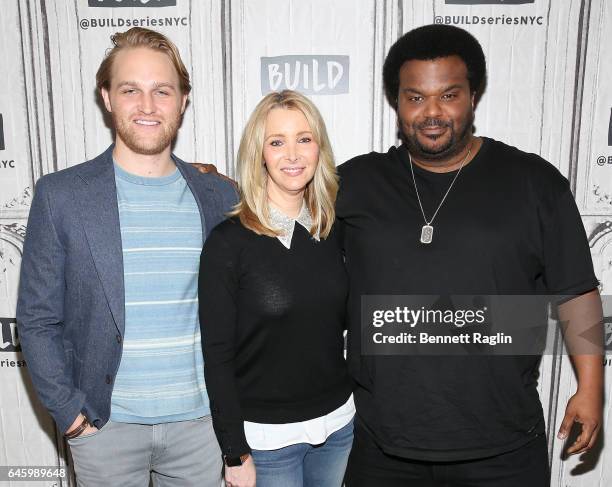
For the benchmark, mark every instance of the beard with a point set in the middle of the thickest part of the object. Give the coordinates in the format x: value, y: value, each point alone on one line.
x: 456, y: 143
x: 146, y: 145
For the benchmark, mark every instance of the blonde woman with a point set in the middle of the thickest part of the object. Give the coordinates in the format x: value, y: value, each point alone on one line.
x: 272, y: 299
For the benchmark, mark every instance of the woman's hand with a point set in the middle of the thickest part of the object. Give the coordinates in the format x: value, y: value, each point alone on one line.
x: 242, y: 476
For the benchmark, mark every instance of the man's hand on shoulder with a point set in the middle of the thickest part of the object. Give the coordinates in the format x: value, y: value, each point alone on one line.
x: 212, y: 169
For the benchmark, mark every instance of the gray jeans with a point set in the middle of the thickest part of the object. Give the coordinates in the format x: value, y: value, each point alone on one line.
x: 184, y: 453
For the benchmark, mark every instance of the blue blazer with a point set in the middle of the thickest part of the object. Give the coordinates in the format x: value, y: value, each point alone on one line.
x: 71, y: 305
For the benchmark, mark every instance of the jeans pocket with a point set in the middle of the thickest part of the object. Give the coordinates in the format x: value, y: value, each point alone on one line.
x: 84, y: 438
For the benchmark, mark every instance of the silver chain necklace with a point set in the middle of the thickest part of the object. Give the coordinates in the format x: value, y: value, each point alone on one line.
x: 427, y: 229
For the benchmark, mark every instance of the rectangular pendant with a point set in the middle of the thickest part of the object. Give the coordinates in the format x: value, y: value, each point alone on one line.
x: 426, y: 234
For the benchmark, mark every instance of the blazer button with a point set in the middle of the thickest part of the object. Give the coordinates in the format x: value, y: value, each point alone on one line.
x: 118, y: 338
x: 108, y: 379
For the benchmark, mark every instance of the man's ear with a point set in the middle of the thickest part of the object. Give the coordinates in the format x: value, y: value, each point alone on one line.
x: 106, y: 98
x: 473, y: 100
x: 184, y: 104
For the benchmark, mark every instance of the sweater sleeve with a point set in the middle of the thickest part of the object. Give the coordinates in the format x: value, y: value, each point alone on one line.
x: 217, y: 293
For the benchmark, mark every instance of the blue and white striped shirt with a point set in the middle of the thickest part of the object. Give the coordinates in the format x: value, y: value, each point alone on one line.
x: 161, y: 375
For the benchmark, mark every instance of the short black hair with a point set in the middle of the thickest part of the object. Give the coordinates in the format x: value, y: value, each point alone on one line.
x: 432, y: 42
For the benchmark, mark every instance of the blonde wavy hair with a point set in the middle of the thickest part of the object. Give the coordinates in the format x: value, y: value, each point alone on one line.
x: 321, y: 191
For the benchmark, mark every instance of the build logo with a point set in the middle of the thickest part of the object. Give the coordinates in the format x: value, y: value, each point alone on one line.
x: 311, y: 75
x: 9, y: 341
x: 132, y: 3
x: 488, y: 2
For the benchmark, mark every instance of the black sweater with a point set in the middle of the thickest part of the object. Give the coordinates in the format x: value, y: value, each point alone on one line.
x: 272, y: 321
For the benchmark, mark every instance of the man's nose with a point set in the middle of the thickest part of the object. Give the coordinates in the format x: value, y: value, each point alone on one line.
x: 432, y: 108
x: 147, y: 104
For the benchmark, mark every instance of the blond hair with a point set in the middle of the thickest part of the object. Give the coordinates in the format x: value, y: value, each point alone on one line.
x: 321, y: 191
x: 141, y: 37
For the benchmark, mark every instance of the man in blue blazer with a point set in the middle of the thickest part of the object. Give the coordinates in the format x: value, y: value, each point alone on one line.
x: 107, y: 308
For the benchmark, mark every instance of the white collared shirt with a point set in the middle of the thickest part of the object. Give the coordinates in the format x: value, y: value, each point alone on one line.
x: 263, y: 436
x: 286, y: 224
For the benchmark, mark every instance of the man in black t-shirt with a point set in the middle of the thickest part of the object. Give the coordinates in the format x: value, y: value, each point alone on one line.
x: 449, y: 213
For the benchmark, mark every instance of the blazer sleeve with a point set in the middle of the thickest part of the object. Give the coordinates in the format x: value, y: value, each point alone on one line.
x: 40, y: 312
x: 217, y: 294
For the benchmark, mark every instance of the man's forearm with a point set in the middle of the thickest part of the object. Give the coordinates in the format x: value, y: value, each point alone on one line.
x: 51, y: 376
x: 582, y: 322
x: 590, y: 372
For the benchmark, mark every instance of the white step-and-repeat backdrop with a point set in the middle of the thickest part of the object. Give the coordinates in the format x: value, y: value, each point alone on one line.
x: 549, y: 92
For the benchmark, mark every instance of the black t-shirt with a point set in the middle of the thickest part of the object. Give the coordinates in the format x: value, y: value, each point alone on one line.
x: 508, y: 226
x: 272, y: 322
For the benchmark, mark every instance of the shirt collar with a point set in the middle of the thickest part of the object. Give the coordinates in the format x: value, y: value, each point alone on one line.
x: 286, y: 224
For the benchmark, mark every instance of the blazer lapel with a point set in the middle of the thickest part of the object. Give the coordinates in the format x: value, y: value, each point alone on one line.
x: 96, y: 195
